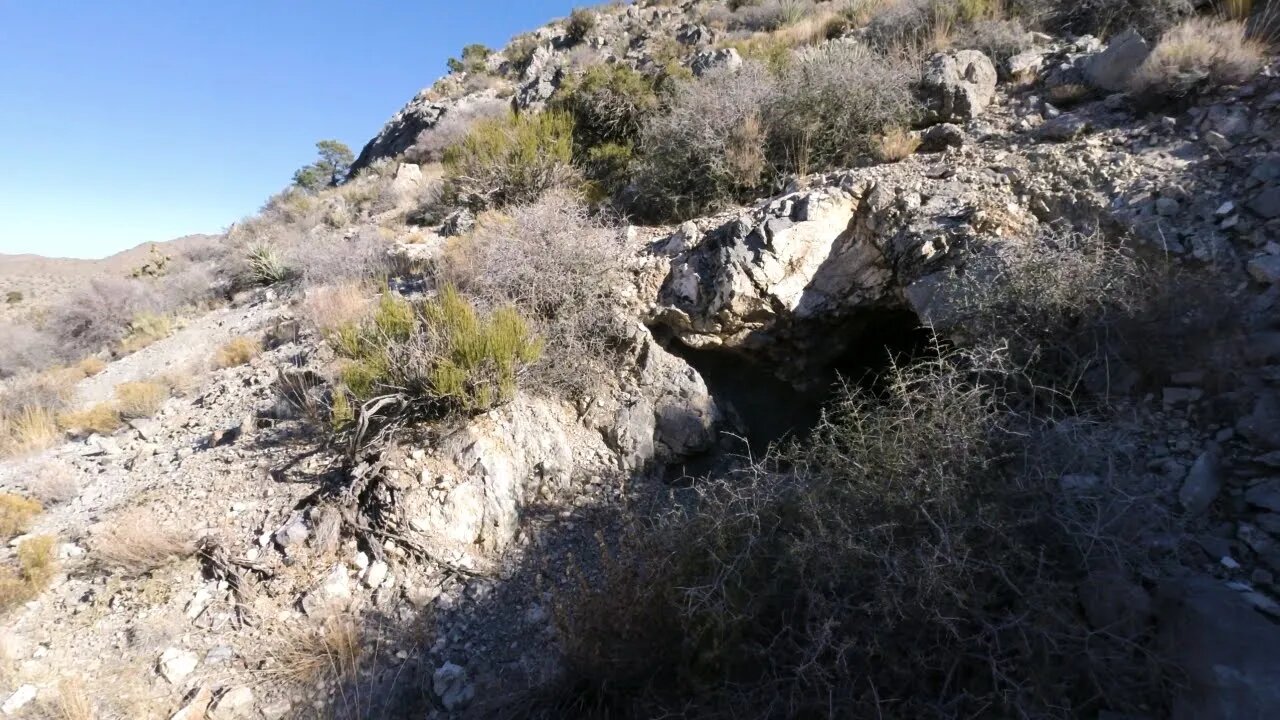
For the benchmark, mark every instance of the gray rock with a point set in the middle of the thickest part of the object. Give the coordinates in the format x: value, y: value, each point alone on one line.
x: 176, y: 664
x: 331, y: 595
x: 1064, y: 127
x: 292, y: 533
x: 708, y: 60
x: 1262, y: 426
x: 1265, y: 495
x: 1267, y: 202
x: 452, y: 686
x: 376, y: 574
x: 1265, y: 268
x: 1024, y: 66
x: 942, y: 136
x: 458, y: 222
x: 957, y: 87
x: 1225, y: 649
x: 1111, y: 69
x: 234, y: 704
x: 1202, y: 484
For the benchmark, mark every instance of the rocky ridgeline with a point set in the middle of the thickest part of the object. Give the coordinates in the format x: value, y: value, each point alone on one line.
x: 448, y: 613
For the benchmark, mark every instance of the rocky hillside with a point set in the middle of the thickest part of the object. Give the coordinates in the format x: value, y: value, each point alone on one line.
x: 759, y: 359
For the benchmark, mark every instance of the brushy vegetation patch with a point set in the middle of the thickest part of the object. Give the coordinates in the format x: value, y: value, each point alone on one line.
x: 36, y: 567
x: 145, y: 329
x: 102, y: 418
x: 1201, y: 53
x: 894, y: 564
x: 430, y: 361
x: 134, y: 545
x: 303, y: 654
x: 26, y: 429
x: 561, y: 267
x: 510, y: 160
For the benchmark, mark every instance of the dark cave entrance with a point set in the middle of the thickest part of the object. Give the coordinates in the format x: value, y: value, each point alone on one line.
x: 856, y: 351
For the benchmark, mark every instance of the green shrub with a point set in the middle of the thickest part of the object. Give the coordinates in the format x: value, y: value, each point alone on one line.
x: 831, y: 104
x: 609, y: 103
x: 581, y: 22
x: 520, y: 52
x: 439, y: 359
x: 510, y: 159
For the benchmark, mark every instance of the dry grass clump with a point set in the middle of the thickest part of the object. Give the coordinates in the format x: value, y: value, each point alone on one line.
x: 237, y: 351
x: 36, y: 567
x: 145, y: 329
x: 90, y: 366
x: 305, y: 654
x: 1196, y: 54
x: 892, y: 565
x: 102, y: 419
x: 71, y: 702
x: 140, y: 399
x: 27, y: 429
x: 16, y: 513
x: 135, y: 544
x: 897, y: 144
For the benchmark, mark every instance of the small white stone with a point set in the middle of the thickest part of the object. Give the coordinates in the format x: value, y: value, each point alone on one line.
x: 176, y: 664
x: 19, y: 699
x: 376, y: 574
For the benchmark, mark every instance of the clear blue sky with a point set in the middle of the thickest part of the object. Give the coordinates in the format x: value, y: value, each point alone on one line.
x: 131, y: 121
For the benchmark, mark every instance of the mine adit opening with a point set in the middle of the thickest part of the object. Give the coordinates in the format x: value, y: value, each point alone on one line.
x: 857, y: 352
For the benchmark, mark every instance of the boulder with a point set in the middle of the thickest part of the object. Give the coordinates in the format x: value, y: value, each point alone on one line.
x: 1024, y: 66
x: 958, y: 86
x: 1225, y: 649
x: 176, y: 664
x: 709, y: 60
x: 941, y: 136
x: 540, y: 81
x: 1202, y: 484
x: 1111, y: 69
x: 452, y: 685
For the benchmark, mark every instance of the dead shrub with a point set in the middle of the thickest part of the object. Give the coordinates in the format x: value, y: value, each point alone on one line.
x: 16, y: 514
x: 330, y: 258
x: 237, y: 351
x: 53, y: 484
x: 71, y: 702
x: 100, y: 314
x: 135, y: 544
x: 561, y: 267
x: 333, y: 307
x: 1201, y: 53
x: 893, y: 565
x: 24, y: 348
x: 140, y: 399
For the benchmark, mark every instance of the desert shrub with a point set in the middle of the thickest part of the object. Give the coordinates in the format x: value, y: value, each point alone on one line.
x: 329, y: 169
x: 36, y: 567
x: 1052, y: 299
x: 53, y: 484
x: 892, y: 565
x: 509, y: 160
x: 999, y: 39
x: 685, y: 169
x: 140, y: 399
x: 436, y: 360
x: 562, y: 268
x: 339, y: 257
x: 134, y: 544
x: 91, y: 365
x: 237, y: 351
x: 265, y: 265
x: 23, y: 347
x: 520, y: 52
x: 831, y: 103
x: 431, y: 143
x: 606, y: 170
x: 1106, y: 17
x: 16, y: 514
x: 580, y: 24
x: 609, y: 103
x: 144, y: 329
x: 915, y: 24
x: 303, y: 654
x: 1198, y: 54
x: 473, y: 60
x: 102, y: 418
x: 100, y: 314
x: 769, y: 15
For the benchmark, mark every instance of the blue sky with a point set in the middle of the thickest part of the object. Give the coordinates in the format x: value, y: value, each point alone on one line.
x: 131, y: 121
